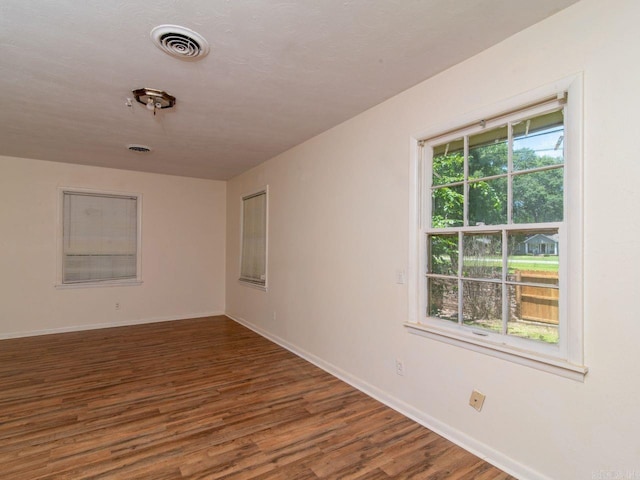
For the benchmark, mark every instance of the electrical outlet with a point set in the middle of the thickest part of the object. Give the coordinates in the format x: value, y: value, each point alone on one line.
x: 477, y: 400
x: 399, y: 367
x: 117, y: 305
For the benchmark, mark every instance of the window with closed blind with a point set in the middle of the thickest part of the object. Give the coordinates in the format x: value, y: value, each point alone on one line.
x: 100, y: 238
x: 253, y: 256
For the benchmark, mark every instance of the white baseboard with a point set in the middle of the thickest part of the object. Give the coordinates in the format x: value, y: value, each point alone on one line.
x: 96, y: 326
x: 470, y: 444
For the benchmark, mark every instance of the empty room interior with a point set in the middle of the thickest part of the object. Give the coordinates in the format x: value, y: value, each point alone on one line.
x: 338, y: 239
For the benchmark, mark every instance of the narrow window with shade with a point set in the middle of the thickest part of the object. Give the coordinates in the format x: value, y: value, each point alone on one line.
x: 253, y: 262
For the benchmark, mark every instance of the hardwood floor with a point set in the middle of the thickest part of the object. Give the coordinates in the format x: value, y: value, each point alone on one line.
x: 199, y: 399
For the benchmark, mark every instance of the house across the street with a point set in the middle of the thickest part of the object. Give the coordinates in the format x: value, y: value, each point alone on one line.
x: 539, y: 244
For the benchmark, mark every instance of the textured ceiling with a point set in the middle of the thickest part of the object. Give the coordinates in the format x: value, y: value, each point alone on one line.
x: 279, y: 72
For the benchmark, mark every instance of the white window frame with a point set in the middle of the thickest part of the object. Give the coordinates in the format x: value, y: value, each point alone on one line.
x: 59, y: 283
x: 567, y: 357
x: 260, y: 285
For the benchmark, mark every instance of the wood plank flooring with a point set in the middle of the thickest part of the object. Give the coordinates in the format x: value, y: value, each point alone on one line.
x: 200, y: 399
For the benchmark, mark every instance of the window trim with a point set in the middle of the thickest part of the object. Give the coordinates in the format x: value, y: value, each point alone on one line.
x: 59, y: 282
x: 566, y: 359
x: 245, y: 281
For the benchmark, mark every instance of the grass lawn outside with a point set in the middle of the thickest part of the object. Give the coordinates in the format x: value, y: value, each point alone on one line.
x: 517, y: 262
x: 519, y: 328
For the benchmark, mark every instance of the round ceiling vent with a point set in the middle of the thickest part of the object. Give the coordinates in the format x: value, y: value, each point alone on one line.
x: 139, y: 148
x: 180, y: 42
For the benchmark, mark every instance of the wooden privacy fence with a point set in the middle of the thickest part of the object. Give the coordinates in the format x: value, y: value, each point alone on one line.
x: 537, y: 304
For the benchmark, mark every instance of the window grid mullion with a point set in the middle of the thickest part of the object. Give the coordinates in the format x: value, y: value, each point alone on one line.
x: 505, y: 287
x: 465, y: 220
x: 460, y: 286
x: 509, y: 173
x: 505, y: 236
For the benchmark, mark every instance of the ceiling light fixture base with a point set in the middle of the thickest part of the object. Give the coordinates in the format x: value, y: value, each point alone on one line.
x: 154, y: 99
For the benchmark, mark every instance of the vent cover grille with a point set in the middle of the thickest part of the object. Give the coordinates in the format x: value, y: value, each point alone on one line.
x: 139, y: 148
x: 180, y: 42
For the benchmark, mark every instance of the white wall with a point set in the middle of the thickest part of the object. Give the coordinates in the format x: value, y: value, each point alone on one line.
x: 183, y: 249
x: 339, y: 232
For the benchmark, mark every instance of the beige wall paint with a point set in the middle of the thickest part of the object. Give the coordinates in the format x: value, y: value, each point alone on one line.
x: 183, y: 249
x: 339, y: 232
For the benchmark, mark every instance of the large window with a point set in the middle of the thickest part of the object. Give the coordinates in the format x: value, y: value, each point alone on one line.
x: 253, y: 261
x: 493, y: 240
x: 499, y: 247
x: 100, y: 238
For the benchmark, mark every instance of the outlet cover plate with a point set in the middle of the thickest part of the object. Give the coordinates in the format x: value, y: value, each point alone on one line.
x: 477, y: 400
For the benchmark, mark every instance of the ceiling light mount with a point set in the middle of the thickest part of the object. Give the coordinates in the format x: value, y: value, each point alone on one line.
x: 154, y: 99
x: 180, y: 42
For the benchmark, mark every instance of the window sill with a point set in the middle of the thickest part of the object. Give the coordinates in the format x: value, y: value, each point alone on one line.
x: 522, y: 357
x: 257, y: 286
x: 119, y: 283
